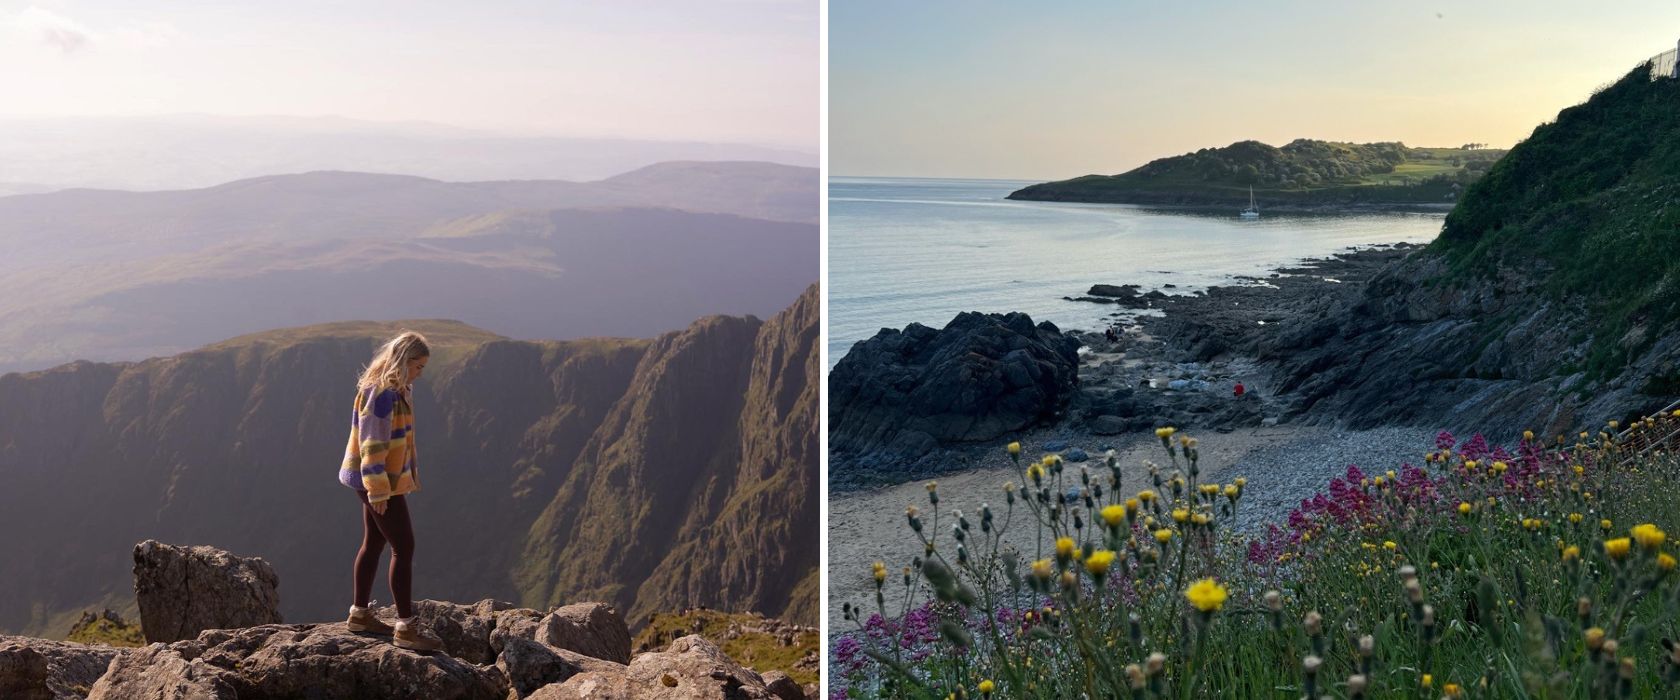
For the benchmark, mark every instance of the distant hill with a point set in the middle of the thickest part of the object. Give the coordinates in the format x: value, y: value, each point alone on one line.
x: 107, y: 275
x: 1303, y: 172
x: 659, y: 474
x: 188, y: 151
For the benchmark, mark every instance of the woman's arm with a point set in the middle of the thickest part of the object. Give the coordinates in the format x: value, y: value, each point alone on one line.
x: 373, y: 423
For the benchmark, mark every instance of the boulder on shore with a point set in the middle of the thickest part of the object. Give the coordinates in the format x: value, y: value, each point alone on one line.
x: 183, y: 591
x: 903, y: 393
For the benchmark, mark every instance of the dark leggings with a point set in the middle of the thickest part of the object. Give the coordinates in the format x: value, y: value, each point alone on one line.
x: 377, y: 530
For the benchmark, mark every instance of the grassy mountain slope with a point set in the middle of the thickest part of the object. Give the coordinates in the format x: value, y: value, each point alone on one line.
x: 1302, y: 172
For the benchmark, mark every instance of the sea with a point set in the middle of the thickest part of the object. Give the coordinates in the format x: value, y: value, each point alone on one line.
x: 912, y: 250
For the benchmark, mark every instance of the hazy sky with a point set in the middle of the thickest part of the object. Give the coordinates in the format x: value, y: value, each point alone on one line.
x: 721, y: 70
x: 982, y: 88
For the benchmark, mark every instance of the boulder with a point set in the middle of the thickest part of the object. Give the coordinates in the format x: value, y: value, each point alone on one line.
x: 38, y: 668
x: 982, y: 377
x: 590, y: 629
x: 691, y: 669
x: 323, y: 662
x: 783, y: 687
x: 530, y: 665
x: 183, y: 591
x: 23, y: 673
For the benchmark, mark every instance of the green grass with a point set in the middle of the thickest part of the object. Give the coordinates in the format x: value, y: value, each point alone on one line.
x: 756, y: 650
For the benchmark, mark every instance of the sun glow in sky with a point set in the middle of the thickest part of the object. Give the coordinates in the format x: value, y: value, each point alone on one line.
x: 987, y: 88
x: 733, y: 70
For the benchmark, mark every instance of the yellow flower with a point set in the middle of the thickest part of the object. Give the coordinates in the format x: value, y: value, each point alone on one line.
x: 1578, y: 469
x: 1180, y: 515
x: 987, y: 686
x: 1665, y: 561
x: 1575, y: 518
x: 1648, y: 536
x: 1452, y: 690
x: 1209, y: 489
x: 1014, y: 449
x: 1231, y: 491
x: 1571, y: 553
x: 1099, y: 561
x: 1528, y: 435
x: 1163, y: 535
x: 1064, y: 547
x: 1146, y: 495
x: 1041, y: 569
x: 1605, y: 524
x: 1428, y: 680
x: 1500, y: 467
x: 1114, y: 515
x: 1164, y: 433
x: 1201, y: 518
x: 1241, y: 482
x: 1390, y: 545
x: 880, y: 572
x: 1035, y: 471
x: 1464, y: 508
x: 1617, y: 548
x: 1206, y: 595
x: 1131, y: 506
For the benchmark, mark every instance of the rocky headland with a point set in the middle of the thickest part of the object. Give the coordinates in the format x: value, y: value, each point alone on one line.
x: 204, y: 599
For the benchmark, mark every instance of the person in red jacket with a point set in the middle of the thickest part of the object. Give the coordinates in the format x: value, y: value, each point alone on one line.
x: 1238, y: 390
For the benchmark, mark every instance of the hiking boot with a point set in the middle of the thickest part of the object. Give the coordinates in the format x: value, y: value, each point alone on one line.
x: 413, y: 638
x: 365, y: 621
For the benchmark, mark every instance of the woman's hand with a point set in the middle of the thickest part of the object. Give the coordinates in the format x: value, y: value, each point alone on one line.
x: 378, y: 507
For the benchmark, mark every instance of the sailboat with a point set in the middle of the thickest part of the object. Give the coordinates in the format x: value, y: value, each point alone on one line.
x: 1252, y: 212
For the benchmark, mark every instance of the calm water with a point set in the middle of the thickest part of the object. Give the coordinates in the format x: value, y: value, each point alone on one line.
x: 918, y: 250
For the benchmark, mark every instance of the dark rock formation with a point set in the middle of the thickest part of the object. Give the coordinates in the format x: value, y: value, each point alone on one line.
x: 902, y: 393
x: 185, y: 590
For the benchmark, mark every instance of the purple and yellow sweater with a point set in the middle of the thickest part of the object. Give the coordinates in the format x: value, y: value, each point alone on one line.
x: 380, y: 456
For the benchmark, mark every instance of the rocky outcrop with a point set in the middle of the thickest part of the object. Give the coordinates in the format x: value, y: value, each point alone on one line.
x: 285, y: 661
x: 38, y: 669
x: 899, y: 394
x: 691, y: 669
x: 185, y: 590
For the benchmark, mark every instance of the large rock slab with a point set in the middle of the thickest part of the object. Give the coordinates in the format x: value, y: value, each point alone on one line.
x: 984, y: 376
x: 320, y: 662
x: 38, y: 669
x: 183, y: 591
x: 590, y: 629
x: 691, y: 669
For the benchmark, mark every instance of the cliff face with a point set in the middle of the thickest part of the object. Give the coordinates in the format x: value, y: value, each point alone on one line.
x: 602, y: 449
x: 1548, y: 301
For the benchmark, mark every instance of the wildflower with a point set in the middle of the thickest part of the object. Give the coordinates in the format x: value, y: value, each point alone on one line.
x: 1390, y: 545
x: 1041, y: 569
x: 1064, y: 547
x: 1114, y: 515
x: 1452, y: 690
x: 880, y: 573
x: 1241, y: 482
x: 1165, y: 433
x: 1665, y: 561
x: 987, y: 686
x: 1428, y: 680
x: 1594, y: 638
x: 1604, y: 524
x: 1201, y: 518
x: 1131, y: 507
x: 1617, y: 548
x: 1163, y: 535
x: 1036, y: 472
x: 1575, y: 518
x: 1146, y: 495
x: 1206, y: 595
x: 1097, y: 564
x: 1231, y: 491
x: 1528, y: 436
x: 1571, y: 553
x: 1180, y: 515
x: 1209, y: 489
x: 1464, y: 508
x: 1014, y: 449
x: 1648, y: 536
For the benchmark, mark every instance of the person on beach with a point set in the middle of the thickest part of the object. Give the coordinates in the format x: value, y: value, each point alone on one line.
x: 379, y: 465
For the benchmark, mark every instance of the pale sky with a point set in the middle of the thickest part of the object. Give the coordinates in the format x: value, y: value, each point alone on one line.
x: 723, y: 70
x: 1000, y: 89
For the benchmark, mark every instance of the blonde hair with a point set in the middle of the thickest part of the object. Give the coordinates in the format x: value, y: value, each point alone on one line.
x: 390, y: 361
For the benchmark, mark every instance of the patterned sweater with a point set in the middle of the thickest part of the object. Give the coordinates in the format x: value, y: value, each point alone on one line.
x: 379, y: 458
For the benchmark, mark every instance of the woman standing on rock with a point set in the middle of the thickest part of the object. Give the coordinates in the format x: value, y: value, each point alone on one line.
x: 379, y: 464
